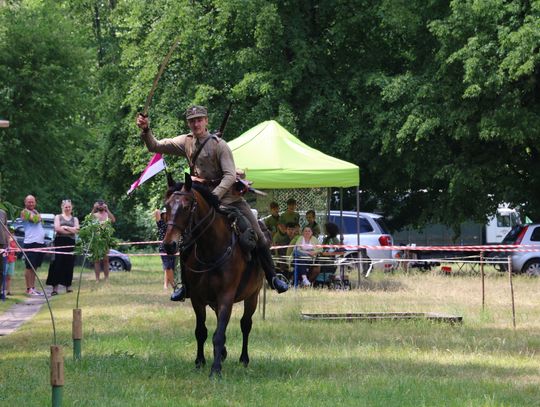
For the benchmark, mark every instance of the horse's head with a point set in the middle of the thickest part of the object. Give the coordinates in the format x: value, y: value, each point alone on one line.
x: 180, y: 204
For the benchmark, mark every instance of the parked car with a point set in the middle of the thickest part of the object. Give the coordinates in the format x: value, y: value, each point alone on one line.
x: 118, y: 261
x: 373, y: 232
x: 526, y: 262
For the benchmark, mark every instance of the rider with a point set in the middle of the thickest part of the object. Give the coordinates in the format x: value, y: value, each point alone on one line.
x: 214, y: 167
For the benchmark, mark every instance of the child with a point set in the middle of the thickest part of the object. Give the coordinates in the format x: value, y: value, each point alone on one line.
x: 10, y: 269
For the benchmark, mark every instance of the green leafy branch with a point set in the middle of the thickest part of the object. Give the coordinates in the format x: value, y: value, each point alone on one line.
x: 95, y: 238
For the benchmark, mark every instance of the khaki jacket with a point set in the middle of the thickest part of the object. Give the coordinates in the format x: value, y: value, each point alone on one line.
x: 214, y: 163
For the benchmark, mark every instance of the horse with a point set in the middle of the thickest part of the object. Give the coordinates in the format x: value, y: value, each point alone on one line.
x: 216, y: 270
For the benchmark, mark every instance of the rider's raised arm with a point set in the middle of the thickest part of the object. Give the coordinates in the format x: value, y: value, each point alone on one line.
x: 174, y: 146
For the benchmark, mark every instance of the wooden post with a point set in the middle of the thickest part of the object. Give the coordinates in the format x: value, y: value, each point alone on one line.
x: 483, y: 280
x: 77, y: 333
x: 57, y: 374
x: 512, y: 291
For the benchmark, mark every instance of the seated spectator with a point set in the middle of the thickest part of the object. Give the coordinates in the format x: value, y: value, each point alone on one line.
x: 293, y: 231
x: 331, y: 238
x: 305, y: 251
x: 310, y: 218
x: 290, y: 215
x: 281, y: 238
x: 272, y: 220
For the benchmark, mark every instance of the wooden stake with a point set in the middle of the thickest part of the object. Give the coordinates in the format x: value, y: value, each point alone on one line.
x: 483, y: 280
x: 77, y: 324
x: 512, y: 291
x: 57, y: 366
x: 77, y: 333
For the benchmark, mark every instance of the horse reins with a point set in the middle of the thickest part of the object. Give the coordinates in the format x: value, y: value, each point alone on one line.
x: 189, y: 240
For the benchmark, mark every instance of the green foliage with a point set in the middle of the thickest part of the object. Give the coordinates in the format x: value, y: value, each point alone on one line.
x: 45, y: 69
x: 95, y: 238
x: 437, y: 102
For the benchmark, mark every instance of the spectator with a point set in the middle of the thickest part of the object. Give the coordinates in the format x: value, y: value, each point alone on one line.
x: 281, y: 239
x: 10, y: 267
x: 305, y: 251
x: 272, y: 220
x: 293, y: 231
x: 167, y: 261
x: 102, y: 213
x: 290, y: 215
x: 331, y: 238
x: 66, y: 227
x: 34, y: 238
x: 4, y: 241
x: 310, y: 218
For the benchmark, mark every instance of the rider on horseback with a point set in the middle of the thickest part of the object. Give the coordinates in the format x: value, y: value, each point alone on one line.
x: 213, y: 165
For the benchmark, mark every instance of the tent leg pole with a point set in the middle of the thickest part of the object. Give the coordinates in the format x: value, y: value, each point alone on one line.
x: 360, y: 264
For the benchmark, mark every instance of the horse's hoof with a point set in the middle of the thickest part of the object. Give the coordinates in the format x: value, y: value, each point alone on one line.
x: 200, y: 363
x: 224, y: 354
x: 215, y: 374
x: 244, y: 361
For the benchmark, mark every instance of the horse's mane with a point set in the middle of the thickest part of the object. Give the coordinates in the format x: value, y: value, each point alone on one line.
x: 208, y: 196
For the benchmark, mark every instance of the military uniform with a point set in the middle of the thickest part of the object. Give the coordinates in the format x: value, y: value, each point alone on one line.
x: 215, y: 164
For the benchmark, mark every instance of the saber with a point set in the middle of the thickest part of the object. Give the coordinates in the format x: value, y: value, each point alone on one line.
x: 158, y: 76
x: 221, y: 130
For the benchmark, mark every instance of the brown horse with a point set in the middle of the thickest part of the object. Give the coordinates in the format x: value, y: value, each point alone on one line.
x: 216, y: 271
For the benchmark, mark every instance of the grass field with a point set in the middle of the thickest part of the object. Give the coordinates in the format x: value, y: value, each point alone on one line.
x: 139, y: 348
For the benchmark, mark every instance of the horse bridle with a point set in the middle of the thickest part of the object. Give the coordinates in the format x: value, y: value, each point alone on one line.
x: 189, y: 240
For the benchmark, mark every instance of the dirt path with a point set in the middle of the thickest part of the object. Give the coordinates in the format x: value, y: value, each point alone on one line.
x: 19, y: 313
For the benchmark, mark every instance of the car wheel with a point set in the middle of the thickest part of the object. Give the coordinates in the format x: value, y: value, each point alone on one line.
x: 532, y: 268
x: 116, y: 265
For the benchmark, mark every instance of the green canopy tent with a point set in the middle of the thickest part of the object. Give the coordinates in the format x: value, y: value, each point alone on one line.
x: 274, y: 159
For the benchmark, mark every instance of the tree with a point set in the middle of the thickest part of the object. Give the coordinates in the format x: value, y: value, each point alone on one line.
x: 44, y: 77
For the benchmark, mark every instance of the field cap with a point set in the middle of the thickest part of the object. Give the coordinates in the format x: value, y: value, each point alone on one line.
x: 196, y: 111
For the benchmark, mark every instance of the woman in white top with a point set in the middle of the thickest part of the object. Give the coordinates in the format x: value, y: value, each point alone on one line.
x: 305, y: 251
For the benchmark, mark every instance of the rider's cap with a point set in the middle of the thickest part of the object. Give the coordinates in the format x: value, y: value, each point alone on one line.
x: 196, y: 111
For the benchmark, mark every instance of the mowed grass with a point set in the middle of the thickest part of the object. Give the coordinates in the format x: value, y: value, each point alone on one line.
x: 139, y: 348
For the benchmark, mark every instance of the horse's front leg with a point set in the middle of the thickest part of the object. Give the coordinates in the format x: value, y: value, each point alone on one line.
x: 250, y: 305
x: 223, y: 316
x: 201, y: 333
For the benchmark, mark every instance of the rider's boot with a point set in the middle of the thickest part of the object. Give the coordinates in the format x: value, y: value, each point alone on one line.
x: 179, y: 293
x: 267, y: 264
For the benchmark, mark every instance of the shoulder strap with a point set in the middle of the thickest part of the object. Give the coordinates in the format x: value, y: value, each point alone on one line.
x: 196, y: 155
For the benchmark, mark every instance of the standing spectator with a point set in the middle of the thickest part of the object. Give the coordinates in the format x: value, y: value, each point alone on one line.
x: 10, y: 267
x: 66, y: 227
x: 310, y: 219
x: 102, y: 213
x: 272, y: 220
x: 167, y: 261
x: 290, y: 215
x: 4, y: 241
x: 34, y: 238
